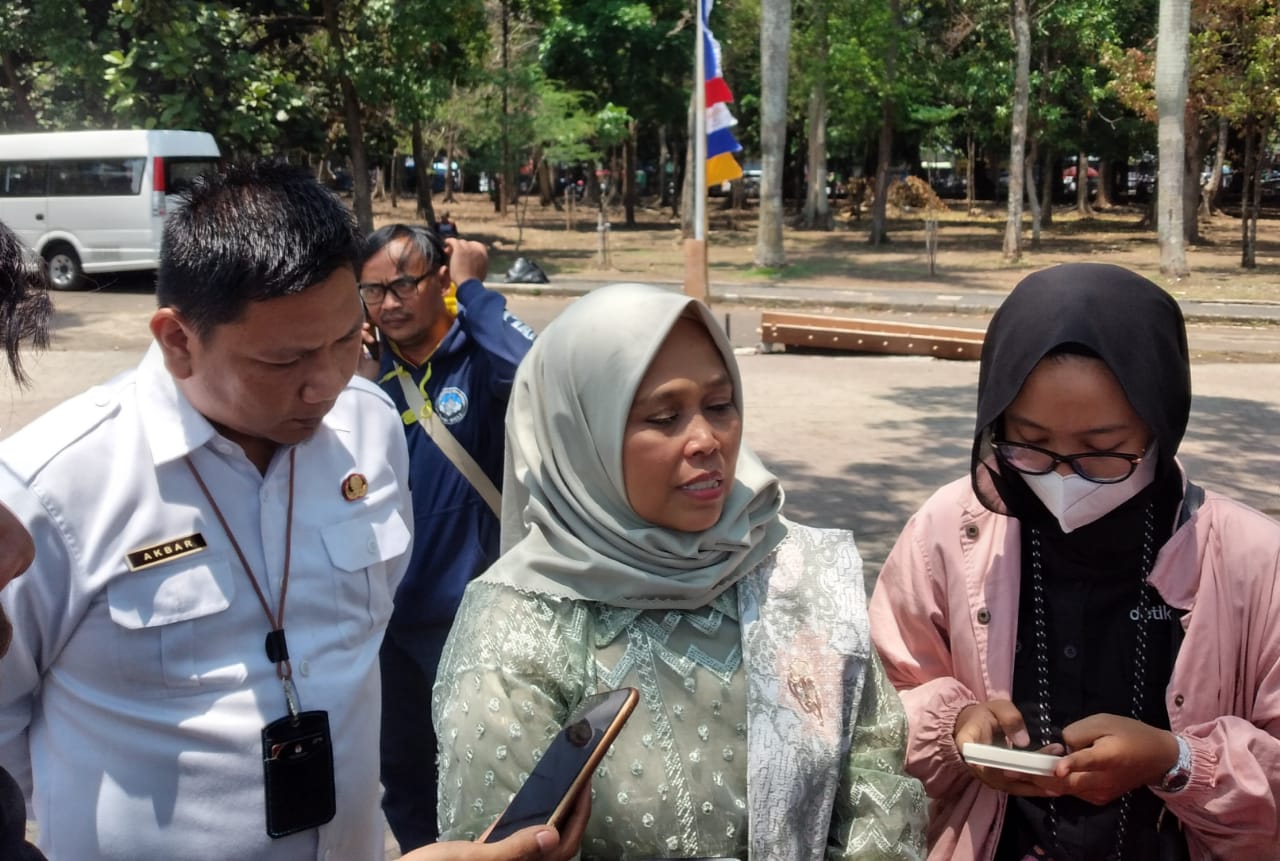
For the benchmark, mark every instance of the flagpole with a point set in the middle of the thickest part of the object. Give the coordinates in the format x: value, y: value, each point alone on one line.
x: 700, y: 135
x: 695, y: 249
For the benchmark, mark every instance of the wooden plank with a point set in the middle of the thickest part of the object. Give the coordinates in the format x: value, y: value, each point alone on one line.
x: 870, y: 336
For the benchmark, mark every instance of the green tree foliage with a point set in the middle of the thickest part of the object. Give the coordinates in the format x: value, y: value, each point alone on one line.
x: 221, y: 67
x: 638, y: 55
x: 199, y: 65
x: 51, y: 52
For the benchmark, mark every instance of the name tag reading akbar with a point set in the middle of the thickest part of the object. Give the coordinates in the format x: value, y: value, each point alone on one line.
x: 145, y: 557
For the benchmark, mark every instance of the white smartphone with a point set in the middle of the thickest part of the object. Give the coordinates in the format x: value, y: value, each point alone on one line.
x: 1009, y: 759
x: 566, y: 767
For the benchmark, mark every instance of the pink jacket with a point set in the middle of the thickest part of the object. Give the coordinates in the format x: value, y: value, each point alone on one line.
x: 944, y: 618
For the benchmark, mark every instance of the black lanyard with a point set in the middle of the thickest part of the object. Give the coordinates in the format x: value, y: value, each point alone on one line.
x: 276, y: 647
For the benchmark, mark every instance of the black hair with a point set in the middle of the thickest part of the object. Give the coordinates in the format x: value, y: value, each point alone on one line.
x: 253, y: 232
x: 424, y: 240
x: 24, y: 301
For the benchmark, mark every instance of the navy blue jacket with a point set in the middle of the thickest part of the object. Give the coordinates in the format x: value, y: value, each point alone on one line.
x: 467, y: 381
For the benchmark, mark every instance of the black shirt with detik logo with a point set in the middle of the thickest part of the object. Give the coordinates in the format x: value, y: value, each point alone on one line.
x: 1091, y: 579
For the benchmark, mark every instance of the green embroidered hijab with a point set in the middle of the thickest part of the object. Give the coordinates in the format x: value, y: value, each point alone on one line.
x: 567, y: 528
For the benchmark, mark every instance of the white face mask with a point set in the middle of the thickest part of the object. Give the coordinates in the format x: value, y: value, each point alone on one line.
x: 1075, y: 501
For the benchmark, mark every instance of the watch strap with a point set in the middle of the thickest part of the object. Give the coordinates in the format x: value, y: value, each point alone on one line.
x: 1176, y: 778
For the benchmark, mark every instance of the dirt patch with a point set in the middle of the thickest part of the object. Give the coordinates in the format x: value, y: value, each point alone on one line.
x: 969, y: 247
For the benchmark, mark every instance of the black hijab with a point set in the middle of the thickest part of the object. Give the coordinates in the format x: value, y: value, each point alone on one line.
x: 1130, y: 323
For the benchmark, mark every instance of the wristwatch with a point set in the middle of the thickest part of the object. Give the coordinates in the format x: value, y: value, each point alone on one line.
x: 1175, y: 779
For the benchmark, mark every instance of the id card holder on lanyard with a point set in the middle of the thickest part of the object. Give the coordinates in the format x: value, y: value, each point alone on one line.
x: 297, y: 773
x: 297, y: 750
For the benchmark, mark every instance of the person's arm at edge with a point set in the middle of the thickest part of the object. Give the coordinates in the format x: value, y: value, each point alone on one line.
x: 909, y: 627
x: 537, y: 843
x: 1231, y: 804
x: 484, y: 317
x: 44, y: 607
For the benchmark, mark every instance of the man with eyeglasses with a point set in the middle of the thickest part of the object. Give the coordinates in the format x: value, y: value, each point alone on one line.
x: 451, y: 367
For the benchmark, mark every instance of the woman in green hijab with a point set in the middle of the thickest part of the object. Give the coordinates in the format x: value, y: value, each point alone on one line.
x: 645, y: 547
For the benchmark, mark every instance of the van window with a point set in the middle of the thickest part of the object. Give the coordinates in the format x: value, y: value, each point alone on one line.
x: 22, y: 179
x: 178, y: 172
x: 95, y: 177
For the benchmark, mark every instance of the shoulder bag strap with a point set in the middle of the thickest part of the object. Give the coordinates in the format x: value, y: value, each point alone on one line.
x: 1191, y: 501
x: 448, y: 443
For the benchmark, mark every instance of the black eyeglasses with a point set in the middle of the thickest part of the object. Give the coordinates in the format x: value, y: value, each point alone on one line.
x: 404, y: 288
x: 1103, y: 467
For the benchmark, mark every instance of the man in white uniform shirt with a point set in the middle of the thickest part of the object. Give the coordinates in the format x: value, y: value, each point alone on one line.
x: 218, y: 534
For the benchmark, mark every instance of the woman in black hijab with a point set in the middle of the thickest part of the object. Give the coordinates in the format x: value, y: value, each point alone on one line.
x: 1076, y: 594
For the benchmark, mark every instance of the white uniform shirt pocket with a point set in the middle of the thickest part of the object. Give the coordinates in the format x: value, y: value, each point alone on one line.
x: 165, y: 618
x: 360, y: 549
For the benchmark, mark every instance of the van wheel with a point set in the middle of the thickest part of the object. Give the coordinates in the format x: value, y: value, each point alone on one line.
x: 64, y: 268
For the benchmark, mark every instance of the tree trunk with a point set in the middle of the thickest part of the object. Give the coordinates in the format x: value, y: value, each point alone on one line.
x: 879, y: 206
x: 775, y: 47
x: 817, y: 205
x: 1106, y: 179
x: 1213, y: 192
x: 20, y: 100
x: 1018, y: 130
x: 1033, y: 201
x: 1049, y: 177
x: 355, y: 125
x: 775, y: 60
x: 688, y: 188
x: 1248, y: 210
x: 594, y: 193
x: 1262, y: 134
x: 506, y: 187
x: 665, y: 158
x: 879, y: 203
x: 546, y: 192
x: 1193, y: 164
x: 422, y: 170
x: 1082, y: 182
x: 971, y: 153
x: 629, y: 174
x: 395, y: 178
x: 1171, y: 99
x: 449, y: 151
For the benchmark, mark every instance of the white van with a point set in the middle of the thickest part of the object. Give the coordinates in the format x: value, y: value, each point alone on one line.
x: 95, y: 201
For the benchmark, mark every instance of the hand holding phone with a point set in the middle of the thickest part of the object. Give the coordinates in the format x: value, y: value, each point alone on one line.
x: 371, y: 337
x: 565, y: 769
x: 537, y: 843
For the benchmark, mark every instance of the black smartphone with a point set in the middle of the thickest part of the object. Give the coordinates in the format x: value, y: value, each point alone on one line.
x: 374, y: 347
x: 566, y: 767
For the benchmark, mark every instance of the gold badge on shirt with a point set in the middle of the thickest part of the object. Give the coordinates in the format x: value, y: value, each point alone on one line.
x: 354, y: 487
x: 173, y: 548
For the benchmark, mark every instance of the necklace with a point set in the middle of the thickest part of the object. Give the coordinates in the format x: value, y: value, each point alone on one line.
x: 1040, y: 615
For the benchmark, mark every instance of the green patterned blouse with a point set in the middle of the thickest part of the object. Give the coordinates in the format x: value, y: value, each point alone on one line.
x: 675, y: 782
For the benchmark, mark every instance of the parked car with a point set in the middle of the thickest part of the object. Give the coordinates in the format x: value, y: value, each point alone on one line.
x: 750, y: 182
x: 751, y: 178
x: 95, y: 201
